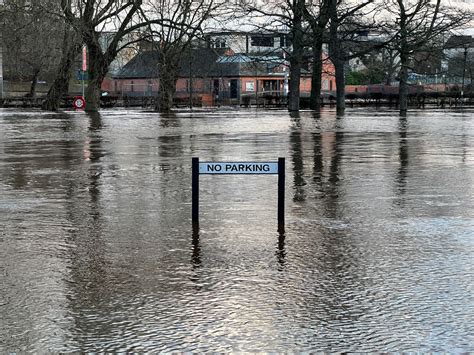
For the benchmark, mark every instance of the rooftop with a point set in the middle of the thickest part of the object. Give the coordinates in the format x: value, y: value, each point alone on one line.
x: 459, y: 42
x: 205, y: 62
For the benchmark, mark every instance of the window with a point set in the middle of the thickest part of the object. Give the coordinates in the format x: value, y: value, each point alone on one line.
x: 218, y: 43
x: 262, y: 41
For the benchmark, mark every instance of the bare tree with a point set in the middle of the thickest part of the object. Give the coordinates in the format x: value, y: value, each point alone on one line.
x: 460, y: 66
x: 317, y: 15
x: 418, y: 23
x: 174, y: 25
x: 70, y: 48
x: 381, y: 66
x: 346, y: 21
x: 32, y: 40
x: 297, y: 8
x: 273, y: 16
x: 390, y: 64
x: 90, y: 19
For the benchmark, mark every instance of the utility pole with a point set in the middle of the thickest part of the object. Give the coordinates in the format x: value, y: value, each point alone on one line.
x: 464, y: 72
x: 191, y: 77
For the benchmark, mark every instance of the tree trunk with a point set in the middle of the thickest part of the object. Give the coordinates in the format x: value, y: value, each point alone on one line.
x: 92, y: 92
x: 403, y: 88
x: 60, y: 86
x: 294, y: 86
x: 97, y: 70
x: 167, y: 83
x: 296, y: 58
x: 391, y: 67
x: 318, y: 25
x: 315, y: 98
x: 340, y: 87
x: 336, y: 54
x: 166, y: 93
x: 34, y: 82
x: 404, y: 58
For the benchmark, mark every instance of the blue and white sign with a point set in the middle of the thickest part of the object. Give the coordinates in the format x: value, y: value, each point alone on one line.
x: 238, y: 168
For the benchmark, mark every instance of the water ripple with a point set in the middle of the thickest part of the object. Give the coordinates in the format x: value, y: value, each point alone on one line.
x: 98, y: 254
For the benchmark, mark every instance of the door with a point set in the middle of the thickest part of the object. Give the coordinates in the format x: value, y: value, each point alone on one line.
x: 215, y: 87
x: 233, y: 88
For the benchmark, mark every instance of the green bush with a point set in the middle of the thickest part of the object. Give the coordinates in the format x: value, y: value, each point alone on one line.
x: 364, y: 77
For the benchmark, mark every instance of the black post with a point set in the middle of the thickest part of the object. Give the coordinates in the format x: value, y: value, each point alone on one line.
x: 463, y: 74
x: 281, y: 193
x: 195, y: 191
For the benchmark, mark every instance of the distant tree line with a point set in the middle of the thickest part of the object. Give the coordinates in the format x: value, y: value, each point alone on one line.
x: 46, y: 36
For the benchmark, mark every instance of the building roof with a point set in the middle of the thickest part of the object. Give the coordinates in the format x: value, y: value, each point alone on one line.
x: 143, y: 65
x: 245, y: 58
x: 250, y: 32
x: 459, y: 42
x: 205, y: 62
x: 199, y: 62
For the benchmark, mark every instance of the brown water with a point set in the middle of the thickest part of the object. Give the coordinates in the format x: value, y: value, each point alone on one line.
x: 97, y: 252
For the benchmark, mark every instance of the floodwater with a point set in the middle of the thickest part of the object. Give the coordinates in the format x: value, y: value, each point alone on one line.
x: 97, y: 250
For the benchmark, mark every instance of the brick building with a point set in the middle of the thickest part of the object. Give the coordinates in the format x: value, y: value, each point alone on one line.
x: 215, y: 76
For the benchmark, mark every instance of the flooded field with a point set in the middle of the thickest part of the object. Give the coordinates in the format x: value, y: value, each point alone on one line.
x: 97, y: 250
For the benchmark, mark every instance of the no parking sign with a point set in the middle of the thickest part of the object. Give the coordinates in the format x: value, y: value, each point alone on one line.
x: 244, y: 168
x: 79, y: 103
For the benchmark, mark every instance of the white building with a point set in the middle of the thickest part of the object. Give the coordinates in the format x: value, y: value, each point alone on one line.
x: 251, y: 42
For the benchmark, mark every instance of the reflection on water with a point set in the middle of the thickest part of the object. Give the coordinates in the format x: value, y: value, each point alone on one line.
x: 403, y: 156
x: 281, y: 252
x: 297, y: 158
x: 98, y: 252
x: 196, y: 257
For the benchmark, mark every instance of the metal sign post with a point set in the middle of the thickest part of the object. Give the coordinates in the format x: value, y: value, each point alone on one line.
x: 195, y: 192
x: 242, y: 168
x: 281, y: 193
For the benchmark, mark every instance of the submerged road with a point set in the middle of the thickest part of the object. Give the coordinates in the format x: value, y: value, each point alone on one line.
x: 97, y: 252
